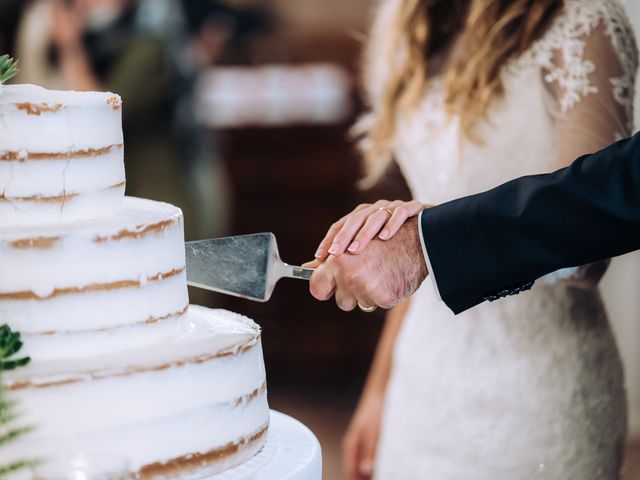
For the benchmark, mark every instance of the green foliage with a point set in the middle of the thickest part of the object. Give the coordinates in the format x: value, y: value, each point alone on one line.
x: 8, y: 68
x: 10, y: 344
x: 5, y: 470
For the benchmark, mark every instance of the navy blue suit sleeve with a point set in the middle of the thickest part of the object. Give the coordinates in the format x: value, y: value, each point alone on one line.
x: 488, y: 245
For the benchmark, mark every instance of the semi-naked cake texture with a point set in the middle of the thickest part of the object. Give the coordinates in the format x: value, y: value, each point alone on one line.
x: 83, y: 288
x: 185, y: 407
x: 61, y: 155
x: 121, y: 365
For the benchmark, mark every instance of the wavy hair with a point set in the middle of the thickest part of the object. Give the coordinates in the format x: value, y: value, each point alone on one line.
x: 406, y: 35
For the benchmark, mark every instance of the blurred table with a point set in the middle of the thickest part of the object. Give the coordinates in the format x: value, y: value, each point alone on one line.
x: 274, y: 96
x: 292, y: 452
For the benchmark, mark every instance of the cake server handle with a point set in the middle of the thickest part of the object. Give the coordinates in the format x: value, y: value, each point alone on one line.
x: 291, y: 271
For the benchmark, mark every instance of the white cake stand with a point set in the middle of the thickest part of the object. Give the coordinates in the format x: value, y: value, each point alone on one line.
x: 292, y: 452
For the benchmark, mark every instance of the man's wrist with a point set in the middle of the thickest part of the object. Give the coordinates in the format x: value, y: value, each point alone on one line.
x: 417, y: 259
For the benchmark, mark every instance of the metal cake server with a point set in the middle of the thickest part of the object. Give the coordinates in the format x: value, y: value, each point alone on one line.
x: 246, y: 266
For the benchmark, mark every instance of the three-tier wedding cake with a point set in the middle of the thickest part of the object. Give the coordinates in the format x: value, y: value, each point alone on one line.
x: 121, y: 365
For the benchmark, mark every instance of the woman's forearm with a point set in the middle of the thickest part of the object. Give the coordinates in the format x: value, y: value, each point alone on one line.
x: 381, y: 365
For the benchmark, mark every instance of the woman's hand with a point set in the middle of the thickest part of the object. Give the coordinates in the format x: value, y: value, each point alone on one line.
x: 361, y: 440
x: 354, y: 231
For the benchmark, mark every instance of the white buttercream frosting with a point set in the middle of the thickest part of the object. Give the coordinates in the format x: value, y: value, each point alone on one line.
x: 61, y: 155
x: 67, y: 121
x: 96, y: 284
x: 61, y: 176
x: 144, y: 238
x: 126, y: 269
x: 193, y: 393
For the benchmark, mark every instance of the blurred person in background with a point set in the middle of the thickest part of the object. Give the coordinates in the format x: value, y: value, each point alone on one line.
x: 465, y: 95
x: 10, y: 13
x: 151, y: 53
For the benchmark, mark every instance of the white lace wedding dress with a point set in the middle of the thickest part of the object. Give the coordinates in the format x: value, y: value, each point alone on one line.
x: 530, y: 386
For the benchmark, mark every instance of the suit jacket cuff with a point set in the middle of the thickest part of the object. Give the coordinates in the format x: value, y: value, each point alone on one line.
x: 425, y: 252
x: 448, y: 231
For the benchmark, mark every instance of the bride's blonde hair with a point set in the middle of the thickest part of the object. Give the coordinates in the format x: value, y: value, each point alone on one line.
x: 405, y: 35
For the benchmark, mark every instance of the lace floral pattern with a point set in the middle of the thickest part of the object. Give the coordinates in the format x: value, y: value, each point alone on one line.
x: 567, y: 37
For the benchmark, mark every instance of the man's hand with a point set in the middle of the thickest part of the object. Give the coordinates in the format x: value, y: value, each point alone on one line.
x: 382, y: 275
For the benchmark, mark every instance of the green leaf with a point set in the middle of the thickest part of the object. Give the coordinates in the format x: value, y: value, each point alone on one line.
x: 7, y: 410
x: 8, y: 68
x: 10, y: 344
x: 8, y: 417
x: 13, y: 434
x: 13, y: 364
x: 6, y: 470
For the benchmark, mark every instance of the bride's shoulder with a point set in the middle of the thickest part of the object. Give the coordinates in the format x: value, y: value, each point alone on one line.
x: 577, y: 23
x: 577, y: 43
x: 581, y: 19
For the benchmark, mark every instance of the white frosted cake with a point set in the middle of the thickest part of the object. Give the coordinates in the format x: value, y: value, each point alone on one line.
x: 60, y: 155
x: 120, y: 364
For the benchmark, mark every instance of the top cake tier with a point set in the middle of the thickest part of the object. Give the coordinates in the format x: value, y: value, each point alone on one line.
x: 61, y: 155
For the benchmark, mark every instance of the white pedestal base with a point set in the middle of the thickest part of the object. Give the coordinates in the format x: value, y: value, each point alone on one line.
x: 292, y: 452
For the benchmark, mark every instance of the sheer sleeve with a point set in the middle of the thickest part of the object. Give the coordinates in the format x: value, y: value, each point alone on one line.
x: 592, y: 77
x: 589, y: 61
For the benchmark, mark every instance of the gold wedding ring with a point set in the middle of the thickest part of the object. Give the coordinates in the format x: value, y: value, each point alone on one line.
x: 367, y: 309
x: 385, y: 209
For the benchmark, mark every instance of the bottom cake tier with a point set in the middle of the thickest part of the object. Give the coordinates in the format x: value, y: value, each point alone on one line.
x: 186, y: 408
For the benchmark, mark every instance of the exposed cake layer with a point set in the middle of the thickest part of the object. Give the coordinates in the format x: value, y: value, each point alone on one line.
x: 61, y: 155
x: 85, y: 344
x: 199, y: 395
x: 38, y: 210
x: 107, y: 274
x: 37, y: 120
x: 58, y: 175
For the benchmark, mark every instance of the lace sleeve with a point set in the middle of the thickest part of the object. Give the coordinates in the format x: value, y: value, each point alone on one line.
x: 589, y: 60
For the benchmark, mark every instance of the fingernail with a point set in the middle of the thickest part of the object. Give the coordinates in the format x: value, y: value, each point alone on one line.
x: 384, y: 234
x: 334, y: 249
x: 354, y: 246
x: 318, y: 253
x: 366, y: 467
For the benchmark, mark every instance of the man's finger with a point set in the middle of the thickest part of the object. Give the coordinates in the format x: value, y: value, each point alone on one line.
x: 345, y: 301
x: 322, y: 284
x: 366, y: 304
x: 312, y: 264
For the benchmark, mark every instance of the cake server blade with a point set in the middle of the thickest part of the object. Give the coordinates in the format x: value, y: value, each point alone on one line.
x: 246, y: 266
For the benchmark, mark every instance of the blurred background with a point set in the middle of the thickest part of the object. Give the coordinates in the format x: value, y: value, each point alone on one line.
x: 238, y: 111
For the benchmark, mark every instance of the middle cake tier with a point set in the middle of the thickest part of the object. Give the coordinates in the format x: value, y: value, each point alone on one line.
x: 119, y: 281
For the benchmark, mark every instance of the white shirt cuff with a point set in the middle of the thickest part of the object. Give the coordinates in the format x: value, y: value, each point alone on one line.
x: 426, y: 257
